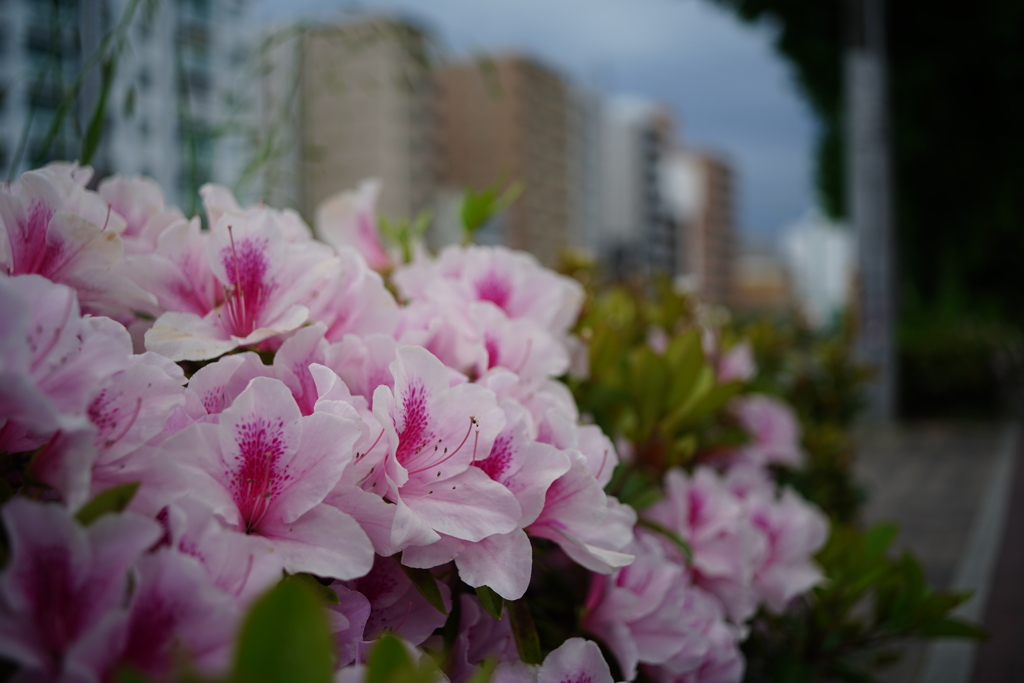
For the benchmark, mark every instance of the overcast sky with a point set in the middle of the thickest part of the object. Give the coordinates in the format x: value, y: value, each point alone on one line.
x: 729, y: 90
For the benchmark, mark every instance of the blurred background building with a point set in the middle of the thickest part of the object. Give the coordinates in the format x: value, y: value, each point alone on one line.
x: 293, y: 114
x: 506, y: 120
x: 163, y: 89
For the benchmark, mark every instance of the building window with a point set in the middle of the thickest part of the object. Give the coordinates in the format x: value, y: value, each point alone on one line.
x: 199, y: 8
x: 198, y: 84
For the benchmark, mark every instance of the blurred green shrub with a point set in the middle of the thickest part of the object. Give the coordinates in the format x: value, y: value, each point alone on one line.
x: 955, y: 366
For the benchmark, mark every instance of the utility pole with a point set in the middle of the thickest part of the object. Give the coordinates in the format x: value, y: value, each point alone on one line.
x: 869, y: 197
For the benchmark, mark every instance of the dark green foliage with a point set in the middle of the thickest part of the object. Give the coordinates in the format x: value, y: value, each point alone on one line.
x: 325, y: 594
x: 670, y: 409
x: 492, y: 603
x: 390, y: 662
x: 956, y: 368
x: 426, y: 584
x: 847, y: 628
x: 810, y: 36
x: 956, y: 93
x: 285, y: 639
x: 113, y: 499
x: 668, y: 405
x: 479, y: 207
x: 818, y: 375
x: 525, y: 632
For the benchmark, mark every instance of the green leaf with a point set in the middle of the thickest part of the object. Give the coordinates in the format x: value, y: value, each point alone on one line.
x: 114, y: 499
x: 129, y: 676
x: 951, y: 627
x: 878, y: 538
x: 480, y: 207
x: 426, y: 584
x: 388, y: 661
x: 325, y: 594
x: 95, y: 129
x: 285, y: 639
x: 483, y: 674
x: 493, y: 603
x: 525, y: 632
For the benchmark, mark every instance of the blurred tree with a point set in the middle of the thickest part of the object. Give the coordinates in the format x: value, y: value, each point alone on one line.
x: 956, y: 82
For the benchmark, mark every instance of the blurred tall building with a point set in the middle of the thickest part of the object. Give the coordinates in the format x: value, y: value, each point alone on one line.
x: 342, y: 103
x: 507, y: 120
x: 367, y: 110
x: 760, y: 281
x: 635, y: 234
x: 166, y: 101
x: 699, y: 190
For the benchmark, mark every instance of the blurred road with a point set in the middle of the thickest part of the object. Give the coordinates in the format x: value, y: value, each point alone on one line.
x: 957, y: 496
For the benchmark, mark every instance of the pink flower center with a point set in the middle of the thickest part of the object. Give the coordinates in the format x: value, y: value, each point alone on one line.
x: 57, y: 610
x: 500, y: 458
x: 246, y: 264
x: 415, y: 432
x: 149, y: 634
x: 258, y: 479
x: 111, y: 422
x: 494, y: 288
x: 29, y: 251
x: 581, y: 678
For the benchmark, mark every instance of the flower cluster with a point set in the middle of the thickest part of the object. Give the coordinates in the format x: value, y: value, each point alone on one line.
x: 715, y: 549
x: 276, y: 410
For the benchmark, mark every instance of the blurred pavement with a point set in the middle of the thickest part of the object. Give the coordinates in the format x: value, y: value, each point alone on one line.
x: 951, y: 488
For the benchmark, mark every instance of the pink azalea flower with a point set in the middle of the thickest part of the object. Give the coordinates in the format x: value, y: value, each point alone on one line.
x: 773, y: 428
x: 63, y: 590
x: 650, y: 615
x: 646, y: 612
x: 130, y: 409
x: 737, y: 364
x: 349, y: 219
x: 266, y: 282
x: 513, y: 281
x: 354, y: 300
x: 175, y: 615
x: 722, y: 662
x: 395, y: 604
x: 347, y: 621
x: 423, y: 462
x: 364, y: 362
x: 590, y: 526
x: 235, y: 563
x: 794, y: 530
x: 504, y: 562
x: 522, y: 346
x: 480, y: 636
x: 726, y: 548
x: 50, y: 359
x: 176, y: 272
x: 441, y: 326
x: 265, y: 469
x: 54, y: 227
x: 574, y: 661
x: 593, y: 528
x: 140, y: 203
x: 219, y: 201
